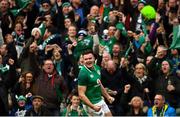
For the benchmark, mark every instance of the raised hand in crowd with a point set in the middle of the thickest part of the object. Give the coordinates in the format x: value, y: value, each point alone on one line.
x: 127, y: 88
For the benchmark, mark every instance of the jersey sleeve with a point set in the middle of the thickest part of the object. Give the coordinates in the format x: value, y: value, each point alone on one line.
x: 82, y: 78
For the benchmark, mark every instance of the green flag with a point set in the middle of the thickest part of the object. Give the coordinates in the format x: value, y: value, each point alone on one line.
x: 21, y: 4
x: 176, y: 38
x: 42, y: 28
x: 15, y: 12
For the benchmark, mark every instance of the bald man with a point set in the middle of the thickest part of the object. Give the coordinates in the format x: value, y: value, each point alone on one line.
x: 112, y: 80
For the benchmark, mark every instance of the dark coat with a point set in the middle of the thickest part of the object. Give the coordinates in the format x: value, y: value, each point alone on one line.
x: 114, y: 81
x: 7, y: 80
x: 161, y: 84
x: 42, y: 112
x: 49, y: 88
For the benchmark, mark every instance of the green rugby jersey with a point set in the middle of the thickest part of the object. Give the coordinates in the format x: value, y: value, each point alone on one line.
x: 91, y: 79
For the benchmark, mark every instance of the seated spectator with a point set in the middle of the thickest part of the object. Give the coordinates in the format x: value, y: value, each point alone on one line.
x: 136, y: 107
x: 160, y: 108
x: 74, y: 108
x: 21, y: 107
x: 38, y: 109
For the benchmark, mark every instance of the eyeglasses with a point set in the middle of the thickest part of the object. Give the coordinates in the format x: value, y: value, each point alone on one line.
x: 49, y: 64
x: 45, y: 5
x: 157, y: 99
x: 29, y: 76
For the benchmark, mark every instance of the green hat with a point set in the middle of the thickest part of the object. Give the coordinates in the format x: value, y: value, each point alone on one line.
x: 148, y: 12
x: 21, y: 97
x: 37, y: 96
x: 66, y: 4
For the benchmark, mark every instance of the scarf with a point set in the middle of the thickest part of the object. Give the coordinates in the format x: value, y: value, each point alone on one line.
x: 162, y: 111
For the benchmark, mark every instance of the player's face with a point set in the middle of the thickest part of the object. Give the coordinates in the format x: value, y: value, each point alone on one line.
x: 88, y: 60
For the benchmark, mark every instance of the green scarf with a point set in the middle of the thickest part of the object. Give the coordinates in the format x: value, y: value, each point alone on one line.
x: 163, y: 110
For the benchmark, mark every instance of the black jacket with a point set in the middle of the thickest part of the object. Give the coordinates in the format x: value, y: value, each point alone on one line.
x: 42, y: 112
x: 161, y: 84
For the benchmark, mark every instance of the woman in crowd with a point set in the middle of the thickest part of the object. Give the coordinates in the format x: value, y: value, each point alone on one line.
x: 25, y: 85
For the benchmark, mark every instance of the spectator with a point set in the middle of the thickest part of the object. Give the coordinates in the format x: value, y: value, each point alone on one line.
x: 80, y: 11
x: 105, y: 58
x: 169, y: 85
x: 140, y: 83
x: 175, y: 60
x: 18, y: 36
x: 114, y: 81
x: 74, y: 108
x: 37, y: 107
x: 6, y: 18
x: 25, y: 85
x: 51, y: 87
x: 29, y: 59
x: 161, y: 54
x: 7, y: 79
x: 21, y: 108
x: 85, y: 42
x: 46, y: 8
x: 160, y: 108
x: 136, y: 104
x: 117, y: 53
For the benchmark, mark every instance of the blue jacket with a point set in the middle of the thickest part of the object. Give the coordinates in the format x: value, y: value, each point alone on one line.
x: 168, y: 111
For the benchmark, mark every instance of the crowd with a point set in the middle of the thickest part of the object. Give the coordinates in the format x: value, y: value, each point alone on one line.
x: 89, y: 57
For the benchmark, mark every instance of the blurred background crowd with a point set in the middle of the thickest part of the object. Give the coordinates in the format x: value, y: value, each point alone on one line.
x: 136, y: 43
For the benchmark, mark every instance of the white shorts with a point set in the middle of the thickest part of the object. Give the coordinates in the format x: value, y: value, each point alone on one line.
x: 104, y: 109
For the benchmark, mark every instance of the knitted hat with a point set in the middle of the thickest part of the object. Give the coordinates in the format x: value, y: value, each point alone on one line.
x: 33, y: 32
x: 66, y: 4
x: 45, y: 1
x: 41, y: 29
x: 82, y: 33
x: 21, y: 97
x: 37, y: 96
x: 142, y: 1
